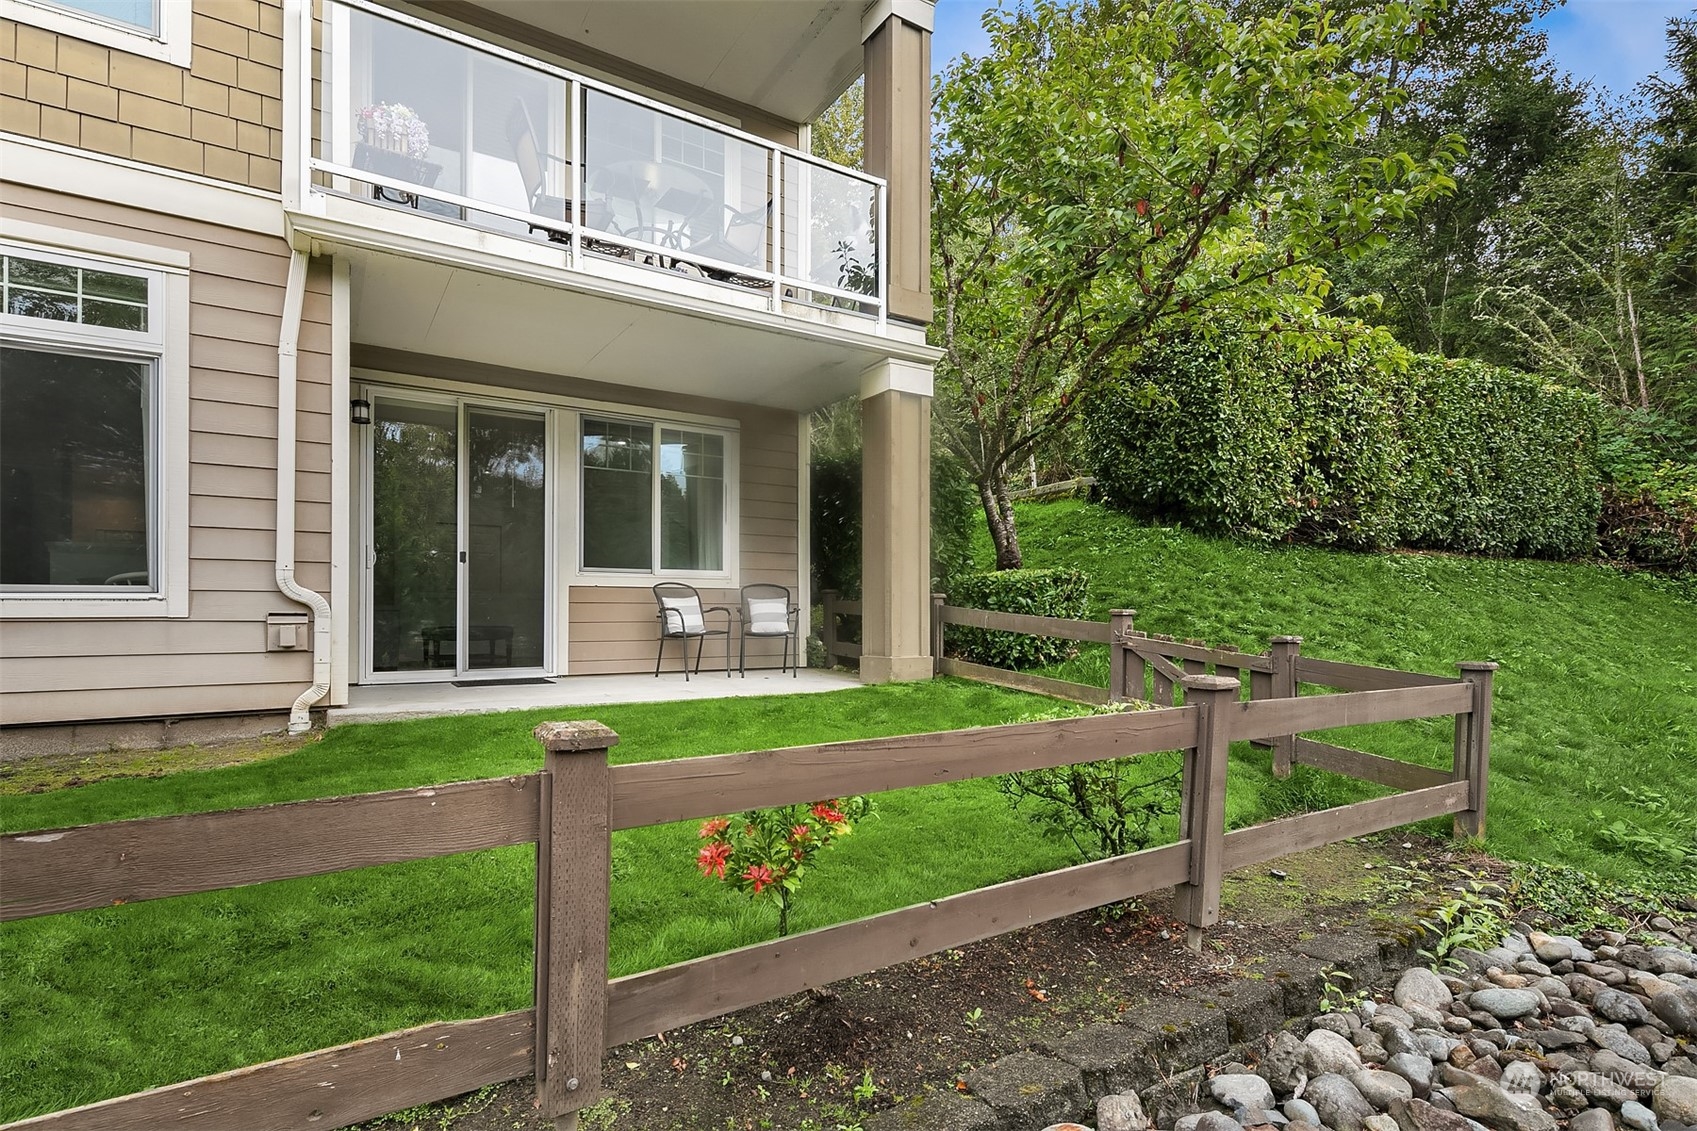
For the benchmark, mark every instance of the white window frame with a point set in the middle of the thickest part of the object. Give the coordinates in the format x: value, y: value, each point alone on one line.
x: 169, y: 42
x: 166, y: 344
x: 725, y: 577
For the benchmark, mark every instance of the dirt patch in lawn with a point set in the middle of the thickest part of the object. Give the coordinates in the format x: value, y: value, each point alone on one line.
x: 65, y: 771
x: 826, y: 1060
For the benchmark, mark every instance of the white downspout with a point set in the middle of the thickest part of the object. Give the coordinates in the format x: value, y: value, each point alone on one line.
x: 300, y: 716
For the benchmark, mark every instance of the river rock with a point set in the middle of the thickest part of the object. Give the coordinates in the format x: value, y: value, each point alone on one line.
x: 1413, y: 1067
x: 1245, y: 1091
x: 1422, y: 987
x: 1284, y: 1064
x: 1618, y: 1005
x: 1298, y: 1111
x: 1379, y: 1122
x: 1617, y: 1041
x: 1520, y: 1078
x: 1215, y: 1121
x: 1675, y: 1100
x: 1418, y: 1115
x: 1327, y: 1052
x: 1550, y: 949
x: 1600, y: 1088
x: 1381, y: 1088
x: 1678, y: 1007
x: 1498, y: 1110
x: 1592, y: 1119
x: 1638, y: 1117
x: 1627, y: 1074
x: 1123, y: 1112
x: 1670, y: 960
x: 1340, y: 1104
x: 1504, y: 1004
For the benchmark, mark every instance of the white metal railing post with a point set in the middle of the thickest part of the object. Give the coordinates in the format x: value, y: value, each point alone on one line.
x: 579, y: 153
x: 777, y: 230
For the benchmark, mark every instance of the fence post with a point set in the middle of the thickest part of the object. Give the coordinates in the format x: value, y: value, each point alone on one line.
x: 573, y: 861
x: 1202, y: 818
x: 1119, y: 671
x: 1473, y: 747
x: 1285, y: 651
x: 938, y: 600
x: 828, y: 632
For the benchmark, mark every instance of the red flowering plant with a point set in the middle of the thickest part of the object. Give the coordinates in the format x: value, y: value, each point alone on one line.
x: 765, y: 852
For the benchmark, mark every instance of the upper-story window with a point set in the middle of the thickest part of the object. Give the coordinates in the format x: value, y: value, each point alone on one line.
x: 158, y: 29
x: 93, y: 457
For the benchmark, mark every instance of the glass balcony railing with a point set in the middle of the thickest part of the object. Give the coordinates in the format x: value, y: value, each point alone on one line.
x: 425, y: 118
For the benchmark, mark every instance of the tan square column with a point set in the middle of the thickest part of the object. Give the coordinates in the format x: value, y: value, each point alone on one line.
x: 896, y: 35
x: 895, y: 414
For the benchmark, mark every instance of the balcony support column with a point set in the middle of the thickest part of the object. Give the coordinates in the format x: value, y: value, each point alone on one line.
x: 897, y: 42
x: 895, y: 413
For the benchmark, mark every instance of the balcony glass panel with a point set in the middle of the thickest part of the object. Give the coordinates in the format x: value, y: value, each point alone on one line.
x: 664, y: 180
x: 425, y: 110
x: 830, y: 228
x: 444, y: 125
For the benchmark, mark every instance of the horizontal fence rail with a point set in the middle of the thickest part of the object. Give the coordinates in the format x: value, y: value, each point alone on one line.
x: 572, y: 806
x: 42, y: 873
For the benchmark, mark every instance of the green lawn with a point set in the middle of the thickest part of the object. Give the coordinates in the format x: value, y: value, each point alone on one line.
x: 105, y: 1002
x: 1595, y: 706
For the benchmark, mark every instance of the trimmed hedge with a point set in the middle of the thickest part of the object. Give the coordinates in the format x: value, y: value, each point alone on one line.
x: 1036, y: 592
x: 1343, y: 450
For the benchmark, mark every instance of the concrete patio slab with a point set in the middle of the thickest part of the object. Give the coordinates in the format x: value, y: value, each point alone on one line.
x: 382, y: 703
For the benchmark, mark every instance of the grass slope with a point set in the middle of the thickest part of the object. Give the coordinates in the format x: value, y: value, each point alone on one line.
x: 1594, y: 742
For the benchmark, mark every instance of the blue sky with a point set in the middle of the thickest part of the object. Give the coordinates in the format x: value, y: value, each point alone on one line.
x: 1614, y: 43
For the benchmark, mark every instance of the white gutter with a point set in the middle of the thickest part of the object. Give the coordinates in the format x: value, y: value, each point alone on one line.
x: 300, y: 716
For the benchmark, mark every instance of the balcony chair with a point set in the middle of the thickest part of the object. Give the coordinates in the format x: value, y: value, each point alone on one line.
x: 767, y: 613
x: 742, y: 240
x: 683, y: 619
x: 533, y: 163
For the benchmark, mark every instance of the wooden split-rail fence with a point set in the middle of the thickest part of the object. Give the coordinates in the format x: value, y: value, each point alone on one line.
x: 572, y: 805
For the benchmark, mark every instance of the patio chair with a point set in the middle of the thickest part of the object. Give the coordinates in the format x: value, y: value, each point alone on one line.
x: 742, y: 241
x: 532, y: 162
x: 767, y: 613
x: 683, y: 619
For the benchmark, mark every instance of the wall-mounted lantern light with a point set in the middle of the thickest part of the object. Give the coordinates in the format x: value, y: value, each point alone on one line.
x: 359, y: 411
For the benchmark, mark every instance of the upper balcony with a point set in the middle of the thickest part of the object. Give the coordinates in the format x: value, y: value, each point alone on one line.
x: 434, y: 143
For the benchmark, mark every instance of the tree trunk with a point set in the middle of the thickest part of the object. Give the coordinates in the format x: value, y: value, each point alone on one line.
x: 998, y: 515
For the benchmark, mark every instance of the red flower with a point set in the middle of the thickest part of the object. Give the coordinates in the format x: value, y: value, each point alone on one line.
x: 826, y: 811
x: 714, y: 827
x: 761, y: 875
x: 711, y: 859
x: 800, y: 833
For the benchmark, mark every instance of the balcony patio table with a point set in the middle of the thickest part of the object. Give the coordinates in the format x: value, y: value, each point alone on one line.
x: 400, y: 166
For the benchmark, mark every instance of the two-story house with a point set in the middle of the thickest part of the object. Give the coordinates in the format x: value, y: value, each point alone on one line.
x: 348, y: 342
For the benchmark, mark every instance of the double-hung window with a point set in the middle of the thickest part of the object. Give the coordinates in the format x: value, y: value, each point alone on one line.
x: 93, y: 414
x: 655, y: 498
x: 158, y: 29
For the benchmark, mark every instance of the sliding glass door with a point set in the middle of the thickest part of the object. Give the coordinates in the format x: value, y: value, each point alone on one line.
x: 458, y: 539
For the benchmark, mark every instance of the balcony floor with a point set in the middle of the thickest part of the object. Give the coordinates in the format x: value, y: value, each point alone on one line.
x: 382, y: 703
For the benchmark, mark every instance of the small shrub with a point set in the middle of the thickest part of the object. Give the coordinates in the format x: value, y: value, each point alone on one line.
x: 1104, y: 808
x: 765, y: 852
x: 1060, y: 593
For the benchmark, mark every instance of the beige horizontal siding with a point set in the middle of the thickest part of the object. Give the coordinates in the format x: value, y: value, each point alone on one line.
x: 213, y: 660
x: 612, y: 628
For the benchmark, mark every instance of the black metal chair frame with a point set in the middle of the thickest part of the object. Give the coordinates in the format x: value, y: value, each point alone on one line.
x: 672, y: 627
x: 792, y: 643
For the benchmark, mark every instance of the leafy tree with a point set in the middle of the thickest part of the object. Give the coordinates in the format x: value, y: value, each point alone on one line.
x: 839, y: 134
x: 1115, y: 165
x: 1481, y: 73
